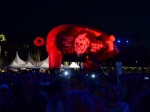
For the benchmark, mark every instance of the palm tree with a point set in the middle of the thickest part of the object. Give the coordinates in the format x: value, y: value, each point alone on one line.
x: 2, y: 37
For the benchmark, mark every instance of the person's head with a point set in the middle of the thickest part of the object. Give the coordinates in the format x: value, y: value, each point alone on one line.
x: 112, y: 92
x: 79, y: 101
x: 27, y: 80
x: 77, y: 82
x: 55, y: 87
x: 4, y: 92
x: 104, y: 82
x: 141, y: 103
x: 145, y: 87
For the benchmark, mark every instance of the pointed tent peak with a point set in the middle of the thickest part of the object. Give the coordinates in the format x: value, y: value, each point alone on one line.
x: 46, y: 60
x: 18, y: 60
x: 28, y: 57
x: 74, y: 65
x: 16, y: 52
x: 17, y: 55
x: 43, y: 62
x: 63, y: 66
x: 44, y: 65
x: 14, y: 65
x: 28, y: 54
x: 28, y: 65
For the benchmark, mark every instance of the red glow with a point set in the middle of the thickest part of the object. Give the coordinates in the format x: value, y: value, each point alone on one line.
x: 70, y: 39
x: 39, y: 41
x: 55, y: 59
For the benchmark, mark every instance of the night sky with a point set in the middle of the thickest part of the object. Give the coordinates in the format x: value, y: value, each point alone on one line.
x: 19, y: 18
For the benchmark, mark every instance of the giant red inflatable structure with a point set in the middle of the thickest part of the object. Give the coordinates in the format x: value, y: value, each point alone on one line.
x: 76, y: 42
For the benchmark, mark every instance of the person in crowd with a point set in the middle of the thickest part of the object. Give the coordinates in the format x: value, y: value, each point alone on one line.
x: 137, y: 89
x: 104, y: 82
x: 44, y: 84
x: 112, y: 100
x: 6, y: 100
x: 44, y: 80
x: 58, y: 96
x: 29, y: 100
x: 77, y: 82
x: 145, y: 86
x: 123, y: 89
x: 79, y: 101
x: 141, y: 102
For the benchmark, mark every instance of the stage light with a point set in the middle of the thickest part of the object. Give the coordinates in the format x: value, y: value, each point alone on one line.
x: 93, y: 76
x: 118, y: 41
x: 66, y: 73
x: 127, y: 41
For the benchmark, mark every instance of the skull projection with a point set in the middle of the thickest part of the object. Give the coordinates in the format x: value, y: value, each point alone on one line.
x: 81, y: 43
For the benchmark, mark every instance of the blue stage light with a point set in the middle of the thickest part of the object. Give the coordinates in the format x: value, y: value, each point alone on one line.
x: 118, y: 41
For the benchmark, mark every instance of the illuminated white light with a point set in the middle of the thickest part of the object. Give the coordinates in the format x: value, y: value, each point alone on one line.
x: 66, y: 73
x: 127, y: 41
x: 93, y: 76
x: 118, y: 40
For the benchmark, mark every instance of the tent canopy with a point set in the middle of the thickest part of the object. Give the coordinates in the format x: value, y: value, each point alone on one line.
x: 44, y: 65
x: 30, y: 63
x: 74, y: 65
x: 18, y: 60
x: 14, y: 65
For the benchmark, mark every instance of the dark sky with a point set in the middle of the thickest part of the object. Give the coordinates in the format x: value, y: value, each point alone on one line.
x: 17, y: 17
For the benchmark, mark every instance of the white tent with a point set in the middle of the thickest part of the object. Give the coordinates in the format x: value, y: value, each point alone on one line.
x: 44, y: 65
x: 18, y: 60
x: 14, y: 65
x: 46, y: 60
x: 18, y: 63
x: 31, y: 60
x: 28, y: 65
x: 63, y: 66
x: 73, y: 65
x: 35, y: 63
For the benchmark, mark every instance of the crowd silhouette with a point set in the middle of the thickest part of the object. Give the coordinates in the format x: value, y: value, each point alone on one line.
x: 28, y: 91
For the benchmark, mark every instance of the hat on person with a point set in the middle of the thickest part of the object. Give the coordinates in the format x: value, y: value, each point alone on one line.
x: 4, y: 86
